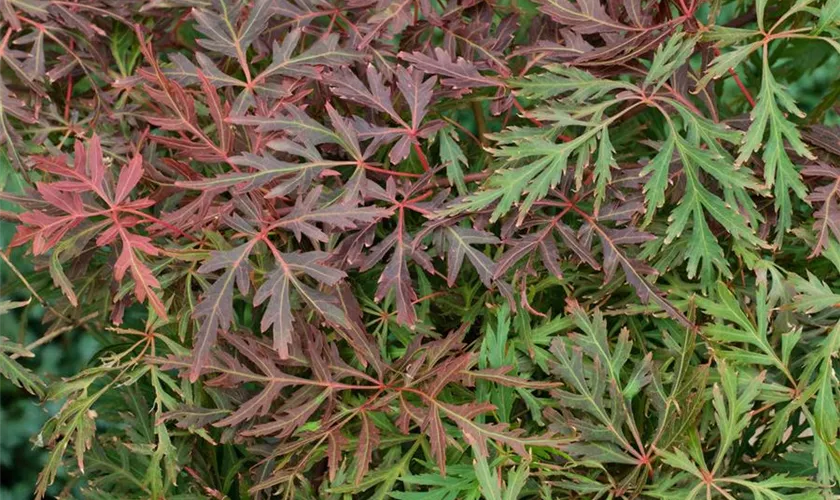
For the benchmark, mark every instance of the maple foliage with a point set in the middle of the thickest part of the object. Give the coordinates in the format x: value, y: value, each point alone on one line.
x: 445, y: 249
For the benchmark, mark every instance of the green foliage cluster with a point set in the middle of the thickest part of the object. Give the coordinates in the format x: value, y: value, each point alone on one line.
x: 421, y: 249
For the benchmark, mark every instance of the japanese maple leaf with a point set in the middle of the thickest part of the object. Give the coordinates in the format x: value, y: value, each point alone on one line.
x: 395, y: 277
x: 454, y: 243
x: 613, y: 256
x: 455, y: 72
x: 446, y: 364
x: 272, y: 82
x: 387, y: 18
x: 589, y: 17
x: 86, y: 197
x: 416, y: 92
x: 215, y: 310
x: 277, y: 289
x: 306, y: 213
x: 828, y: 216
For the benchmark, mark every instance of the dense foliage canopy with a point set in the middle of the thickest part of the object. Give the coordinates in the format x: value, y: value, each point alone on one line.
x: 429, y: 249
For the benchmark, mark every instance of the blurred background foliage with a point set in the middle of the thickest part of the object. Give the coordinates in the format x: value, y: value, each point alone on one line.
x: 21, y: 415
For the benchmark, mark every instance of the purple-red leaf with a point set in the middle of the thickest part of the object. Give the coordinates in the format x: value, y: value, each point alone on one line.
x: 215, y: 311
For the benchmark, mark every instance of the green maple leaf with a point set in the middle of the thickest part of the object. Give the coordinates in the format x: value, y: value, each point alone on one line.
x: 703, y: 158
x: 769, y: 118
